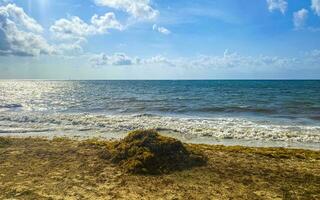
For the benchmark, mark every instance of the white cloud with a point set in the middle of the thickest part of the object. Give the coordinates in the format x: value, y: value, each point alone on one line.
x: 76, y: 29
x: 17, y: 14
x: 73, y: 28
x: 299, y: 18
x: 280, y: 5
x: 314, y: 53
x: 234, y: 60
x: 313, y: 57
x: 160, y: 29
x: 119, y: 59
x: 21, y: 34
x: 315, y: 5
x: 69, y: 49
x: 112, y: 60
x: 227, y: 60
x: 103, y: 23
x: 159, y: 59
x: 139, y: 9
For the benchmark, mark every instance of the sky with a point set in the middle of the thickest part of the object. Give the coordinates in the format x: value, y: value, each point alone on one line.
x: 159, y: 39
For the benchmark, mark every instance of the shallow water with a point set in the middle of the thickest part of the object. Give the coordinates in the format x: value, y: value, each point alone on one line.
x: 272, y: 113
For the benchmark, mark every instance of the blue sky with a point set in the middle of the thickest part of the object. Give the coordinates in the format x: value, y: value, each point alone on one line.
x: 160, y: 39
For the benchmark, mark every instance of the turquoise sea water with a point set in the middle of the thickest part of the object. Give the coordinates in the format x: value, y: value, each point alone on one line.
x: 277, y: 110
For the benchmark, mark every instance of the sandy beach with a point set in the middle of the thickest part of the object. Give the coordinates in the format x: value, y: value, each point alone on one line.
x: 61, y: 168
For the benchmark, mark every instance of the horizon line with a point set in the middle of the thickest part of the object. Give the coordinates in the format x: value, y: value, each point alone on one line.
x: 160, y: 79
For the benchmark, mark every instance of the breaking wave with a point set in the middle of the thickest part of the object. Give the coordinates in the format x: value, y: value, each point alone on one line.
x: 92, y: 125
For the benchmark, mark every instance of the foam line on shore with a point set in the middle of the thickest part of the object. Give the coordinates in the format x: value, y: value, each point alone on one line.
x: 217, y: 128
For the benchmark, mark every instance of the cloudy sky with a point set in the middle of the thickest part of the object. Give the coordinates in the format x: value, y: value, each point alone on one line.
x: 160, y: 39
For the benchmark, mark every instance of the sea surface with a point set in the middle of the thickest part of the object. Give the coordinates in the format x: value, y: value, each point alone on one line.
x: 254, y: 113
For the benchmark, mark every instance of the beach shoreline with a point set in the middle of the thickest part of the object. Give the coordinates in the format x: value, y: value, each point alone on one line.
x: 216, y: 131
x: 64, y: 168
x: 190, y: 139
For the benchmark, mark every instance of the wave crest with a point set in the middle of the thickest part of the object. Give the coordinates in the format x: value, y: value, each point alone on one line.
x: 214, y: 128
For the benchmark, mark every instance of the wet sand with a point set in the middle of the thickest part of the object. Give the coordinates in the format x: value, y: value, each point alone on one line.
x: 35, y: 168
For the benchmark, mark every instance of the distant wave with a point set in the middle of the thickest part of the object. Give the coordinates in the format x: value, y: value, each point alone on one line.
x: 234, y: 109
x: 22, y: 130
x: 315, y: 117
x: 10, y: 106
x: 145, y: 115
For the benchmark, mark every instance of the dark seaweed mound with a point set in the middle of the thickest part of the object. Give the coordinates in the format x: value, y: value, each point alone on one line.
x: 147, y: 152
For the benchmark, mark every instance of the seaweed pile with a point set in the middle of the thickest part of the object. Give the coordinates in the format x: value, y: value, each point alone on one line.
x: 147, y: 152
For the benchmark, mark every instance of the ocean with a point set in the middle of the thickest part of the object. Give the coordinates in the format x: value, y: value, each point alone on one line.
x: 230, y: 112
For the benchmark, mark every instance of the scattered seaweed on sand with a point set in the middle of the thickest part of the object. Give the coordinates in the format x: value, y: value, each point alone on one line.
x: 38, y: 168
x: 147, y: 152
x: 4, y: 142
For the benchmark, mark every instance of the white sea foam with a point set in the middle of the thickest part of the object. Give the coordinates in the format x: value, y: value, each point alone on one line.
x: 92, y: 125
